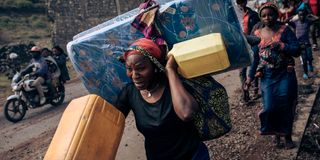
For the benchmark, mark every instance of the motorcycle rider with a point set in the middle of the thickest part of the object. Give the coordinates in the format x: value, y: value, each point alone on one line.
x: 39, y: 69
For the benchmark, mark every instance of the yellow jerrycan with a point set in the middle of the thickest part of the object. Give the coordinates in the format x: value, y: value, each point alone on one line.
x: 90, y: 128
x: 202, y: 55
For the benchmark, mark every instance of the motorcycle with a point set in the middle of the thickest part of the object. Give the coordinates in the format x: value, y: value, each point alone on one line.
x: 26, y: 96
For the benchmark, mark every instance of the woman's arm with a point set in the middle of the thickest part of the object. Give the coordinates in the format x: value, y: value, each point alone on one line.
x: 183, y: 102
x: 61, y: 60
x: 290, y: 44
x: 255, y: 63
x: 122, y: 102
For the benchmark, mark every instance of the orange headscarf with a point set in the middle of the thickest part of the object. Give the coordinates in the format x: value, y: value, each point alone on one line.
x: 148, y: 48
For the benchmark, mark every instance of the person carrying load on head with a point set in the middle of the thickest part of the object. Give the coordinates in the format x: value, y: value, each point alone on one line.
x: 162, y: 106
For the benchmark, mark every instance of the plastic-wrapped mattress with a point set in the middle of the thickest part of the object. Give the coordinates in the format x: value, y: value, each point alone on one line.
x: 94, y: 53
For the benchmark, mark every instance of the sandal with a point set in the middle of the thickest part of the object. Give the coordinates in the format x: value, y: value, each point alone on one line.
x: 289, y: 143
x: 277, y: 141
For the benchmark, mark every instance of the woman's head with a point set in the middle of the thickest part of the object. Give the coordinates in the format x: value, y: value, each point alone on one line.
x: 242, y: 4
x: 57, y: 50
x: 45, y: 52
x: 302, y: 14
x: 144, y: 61
x: 268, y: 14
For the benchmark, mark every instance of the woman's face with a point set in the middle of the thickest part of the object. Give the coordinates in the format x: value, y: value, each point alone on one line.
x: 55, y: 51
x: 45, y: 53
x: 140, y: 70
x: 268, y: 17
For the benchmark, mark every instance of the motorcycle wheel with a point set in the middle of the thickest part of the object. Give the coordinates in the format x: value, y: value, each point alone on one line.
x: 15, y: 110
x: 59, y: 99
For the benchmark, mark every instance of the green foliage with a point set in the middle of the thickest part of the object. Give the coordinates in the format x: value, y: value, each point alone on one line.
x: 24, y: 21
x: 34, y: 36
x: 17, y: 4
x: 21, y: 4
x: 5, y: 22
x: 39, y: 24
x: 37, y: 21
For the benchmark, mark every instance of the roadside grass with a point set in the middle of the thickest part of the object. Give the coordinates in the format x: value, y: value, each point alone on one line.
x: 4, y: 82
x: 5, y: 89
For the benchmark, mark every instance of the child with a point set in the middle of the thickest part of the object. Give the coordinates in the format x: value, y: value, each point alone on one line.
x: 302, y: 27
x: 278, y: 84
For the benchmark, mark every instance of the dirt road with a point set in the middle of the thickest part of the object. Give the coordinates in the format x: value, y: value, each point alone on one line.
x: 30, y: 138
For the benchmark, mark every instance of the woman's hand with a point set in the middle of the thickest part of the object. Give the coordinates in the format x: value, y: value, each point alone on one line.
x: 277, y: 46
x: 171, y: 64
x: 247, y: 84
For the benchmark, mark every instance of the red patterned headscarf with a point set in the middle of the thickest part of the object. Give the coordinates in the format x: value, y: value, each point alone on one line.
x: 148, y: 48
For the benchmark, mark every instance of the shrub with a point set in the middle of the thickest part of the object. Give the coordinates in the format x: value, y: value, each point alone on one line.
x: 34, y: 36
x: 39, y: 23
x: 5, y: 21
x: 23, y: 4
x: 4, y: 37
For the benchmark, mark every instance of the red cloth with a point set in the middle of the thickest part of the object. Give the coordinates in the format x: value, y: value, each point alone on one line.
x: 285, y: 14
x: 314, y: 6
x: 147, y: 45
x: 245, y: 23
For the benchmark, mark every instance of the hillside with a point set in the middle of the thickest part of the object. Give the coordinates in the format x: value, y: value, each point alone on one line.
x: 24, y: 21
x: 22, y: 6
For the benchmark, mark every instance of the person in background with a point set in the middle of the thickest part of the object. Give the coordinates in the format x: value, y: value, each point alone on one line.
x: 250, y: 18
x: 278, y: 82
x: 258, y: 3
x: 302, y: 28
x: 162, y: 106
x: 300, y: 5
x: 53, y: 68
x: 315, y: 28
x: 61, y: 60
x: 286, y: 12
x: 52, y: 64
x: 45, y: 52
x: 39, y: 69
x: 13, y: 63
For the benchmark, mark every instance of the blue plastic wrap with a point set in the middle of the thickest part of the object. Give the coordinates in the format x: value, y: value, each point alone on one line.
x: 94, y: 53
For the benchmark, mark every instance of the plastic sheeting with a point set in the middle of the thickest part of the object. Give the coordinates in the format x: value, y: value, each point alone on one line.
x: 94, y: 53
